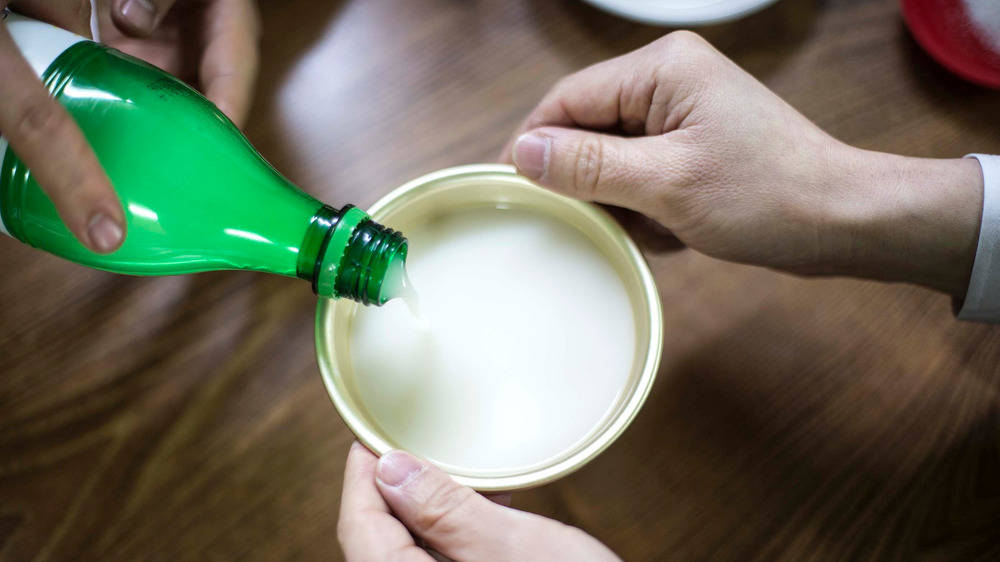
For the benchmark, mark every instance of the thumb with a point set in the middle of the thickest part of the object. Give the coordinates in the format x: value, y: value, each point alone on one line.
x: 453, y: 519
x: 139, y: 18
x: 589, y: 166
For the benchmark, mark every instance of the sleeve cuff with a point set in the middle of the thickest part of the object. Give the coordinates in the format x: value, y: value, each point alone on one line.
x: 982, y: 300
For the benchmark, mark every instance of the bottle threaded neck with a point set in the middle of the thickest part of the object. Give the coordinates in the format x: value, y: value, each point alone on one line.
x: 370, y: 252
x: 347, y: 255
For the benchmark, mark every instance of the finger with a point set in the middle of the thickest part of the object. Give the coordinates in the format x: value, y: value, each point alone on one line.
x: 600, y: 97
x: 645, y: 92
x: 165, y: 48
x: 229, y: 65
x: 453, y: 519
x: 367, y: 530
x: 71, y: 15
x: 591, y: 166
x: 49, y: 142
x: 139, y: 18
x: 463, y: 525
x: 587, y: 99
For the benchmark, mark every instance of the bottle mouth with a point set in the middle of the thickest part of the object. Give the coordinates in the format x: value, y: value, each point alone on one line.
x: 348, y: 255
x: 372, y: 252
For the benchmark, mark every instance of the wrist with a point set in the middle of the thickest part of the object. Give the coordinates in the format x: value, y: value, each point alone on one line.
x: 913, y: 220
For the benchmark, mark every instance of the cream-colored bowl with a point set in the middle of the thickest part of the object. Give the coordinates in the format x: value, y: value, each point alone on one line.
x: 498, y: 186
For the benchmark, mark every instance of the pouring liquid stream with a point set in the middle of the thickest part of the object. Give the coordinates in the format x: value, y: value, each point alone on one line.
x: 397, y: 284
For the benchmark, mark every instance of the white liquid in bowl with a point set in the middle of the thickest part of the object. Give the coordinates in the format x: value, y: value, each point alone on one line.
x: 526, y: 341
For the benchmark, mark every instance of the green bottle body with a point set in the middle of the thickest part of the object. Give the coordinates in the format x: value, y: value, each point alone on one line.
x: 196, y: 195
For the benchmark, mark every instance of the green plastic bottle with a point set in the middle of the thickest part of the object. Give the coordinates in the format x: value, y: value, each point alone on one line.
x: 196, y: 195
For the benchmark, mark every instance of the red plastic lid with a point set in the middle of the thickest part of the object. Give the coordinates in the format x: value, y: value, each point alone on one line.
x: 945, y: 30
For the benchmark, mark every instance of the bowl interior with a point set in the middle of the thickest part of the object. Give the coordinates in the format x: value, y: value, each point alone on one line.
x: 495, y: 186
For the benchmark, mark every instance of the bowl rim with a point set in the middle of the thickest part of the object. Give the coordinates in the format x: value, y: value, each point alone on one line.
x: 567, y: 464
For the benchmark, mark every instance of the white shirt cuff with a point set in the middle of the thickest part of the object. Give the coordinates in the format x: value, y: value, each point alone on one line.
x: 982, y: 301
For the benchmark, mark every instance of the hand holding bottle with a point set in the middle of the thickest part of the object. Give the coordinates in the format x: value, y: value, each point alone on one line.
x: 385, y: 500
x: 213, y: 44
x: 49, y: 141
x: 678, y: 132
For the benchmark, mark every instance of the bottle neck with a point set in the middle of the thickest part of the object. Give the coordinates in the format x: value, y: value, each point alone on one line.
x: 345, y: 254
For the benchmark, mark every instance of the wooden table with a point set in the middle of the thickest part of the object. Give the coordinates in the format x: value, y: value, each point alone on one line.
x: 184, y: 418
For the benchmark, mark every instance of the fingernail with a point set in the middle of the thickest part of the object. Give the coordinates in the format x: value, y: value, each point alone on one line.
x: 105, y: 234
x: 397, y: 468
x: 531, y: 154
x: 140, y: 13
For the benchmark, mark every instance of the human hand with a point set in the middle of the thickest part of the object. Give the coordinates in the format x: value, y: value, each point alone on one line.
x: 211, y: 44
x: 47, y: 139
x: 387, y: 499
x: 678, y: 132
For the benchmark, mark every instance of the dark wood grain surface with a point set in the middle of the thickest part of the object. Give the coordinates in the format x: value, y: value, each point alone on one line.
x: 184, y: 418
